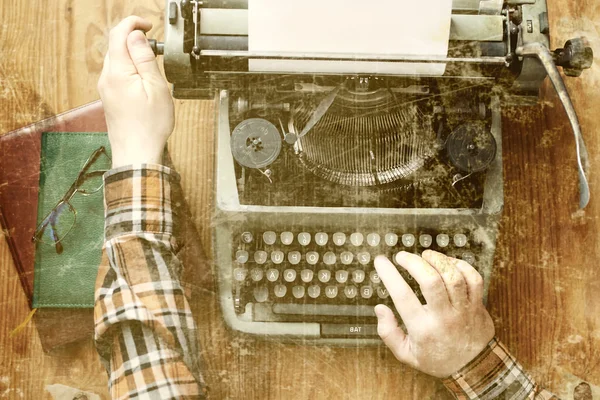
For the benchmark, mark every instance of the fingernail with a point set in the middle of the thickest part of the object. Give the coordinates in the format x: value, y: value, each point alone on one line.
x: 400, y: 255
x: 378, y: 312
x: 379, y: 259
x: 140, y: 40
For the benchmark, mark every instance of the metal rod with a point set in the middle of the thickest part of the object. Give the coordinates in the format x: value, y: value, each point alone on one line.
x: 196, y: 20
x: 544, y: 55
x: 349, y: 57
x: 230, y: 4
x: 457, y: 5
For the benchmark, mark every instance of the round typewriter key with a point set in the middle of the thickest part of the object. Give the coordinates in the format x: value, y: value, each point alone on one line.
x: 287, y: 238
x: 364, y: 258
x: 366, y: 292
x: 314, y: 291
x: 468, y: 257
x: 260, y: 257
x: 408, y: 240
x: 261, y: 294
x: 241, y: 256
x: 312, y: 257
x: 304, y: 238
x: 269, y: 237
x: 442, y: 240
x: 294, y: 257
x: 256, y: 274
x: 425, y: 240
x: 324, y: 275
x: 391, y: 239
x: 460, y: 240
x: 272, y: 274
x: 339, y: 238
x: 350, y: 291
x: 321, y: 238
x: 374, y: 276
x: 382, y: 293
x: 240, y: 274
x: 277, y: 257
x: 289, y: 275
x: 306, y: 275
x: 329, y: 258
x: 346, y: 257
x: 255, y: 143
x: 298, y: 291
x: 341, y: 276
x: 357, y: 238
x: 373, y: 239
x: 280, y: 290
x: 247, y: 237
x: 358, y: 275
x: 331, y: 292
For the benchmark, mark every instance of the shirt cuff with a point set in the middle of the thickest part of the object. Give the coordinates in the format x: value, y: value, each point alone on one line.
x: 494, y: 372
x: 138, y: 198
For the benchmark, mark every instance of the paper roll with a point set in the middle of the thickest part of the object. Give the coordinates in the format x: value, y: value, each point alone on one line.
x: 386, y: 27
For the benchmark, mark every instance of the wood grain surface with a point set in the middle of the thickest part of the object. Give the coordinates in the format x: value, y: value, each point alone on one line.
x: 545, y: 295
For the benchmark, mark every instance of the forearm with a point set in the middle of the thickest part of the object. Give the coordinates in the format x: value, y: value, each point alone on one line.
x: 145, y: 332
x: 495, y: 374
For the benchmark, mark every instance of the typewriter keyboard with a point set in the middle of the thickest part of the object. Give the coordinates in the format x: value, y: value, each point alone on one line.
x: 328, y: 273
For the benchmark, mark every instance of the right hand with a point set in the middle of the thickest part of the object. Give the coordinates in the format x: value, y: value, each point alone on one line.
x: 136, y: 98
x: 451, y: 329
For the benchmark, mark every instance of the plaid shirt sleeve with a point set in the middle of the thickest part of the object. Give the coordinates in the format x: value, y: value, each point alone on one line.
x: 144, y: 330
x: 495, y: 374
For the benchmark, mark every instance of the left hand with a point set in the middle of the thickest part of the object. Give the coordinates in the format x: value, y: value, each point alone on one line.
x: 136, y: 98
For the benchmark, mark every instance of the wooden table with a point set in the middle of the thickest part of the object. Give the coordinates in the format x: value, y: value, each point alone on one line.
x: 544, y: 298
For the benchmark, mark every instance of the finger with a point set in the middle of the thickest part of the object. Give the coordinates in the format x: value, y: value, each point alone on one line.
x: 431, y: 283
x: 474, y: 281
x: 408, y: 305
x: 392, y: 335
x: 105, y: 64
x: 451, y: 275
x: 103, y: 75
x: 117, y: 44
x: 142, y: 55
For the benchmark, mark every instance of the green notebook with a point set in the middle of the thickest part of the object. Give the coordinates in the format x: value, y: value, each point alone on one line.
x: 69, y: 248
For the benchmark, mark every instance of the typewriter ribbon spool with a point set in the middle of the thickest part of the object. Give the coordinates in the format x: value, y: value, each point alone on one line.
x: 255, y: 143
x: 471, y: 147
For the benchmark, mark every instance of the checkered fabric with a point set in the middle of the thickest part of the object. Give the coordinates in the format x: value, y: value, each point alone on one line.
x: 495, y: 374
x: 145, y: 333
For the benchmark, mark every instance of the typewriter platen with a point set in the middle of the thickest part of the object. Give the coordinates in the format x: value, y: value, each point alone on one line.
x: 318, y: 174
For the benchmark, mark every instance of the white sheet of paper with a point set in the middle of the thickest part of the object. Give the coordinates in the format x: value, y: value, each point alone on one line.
x: 398, y: 27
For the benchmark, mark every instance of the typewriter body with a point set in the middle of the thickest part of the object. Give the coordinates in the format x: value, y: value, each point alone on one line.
x: 316, y: 174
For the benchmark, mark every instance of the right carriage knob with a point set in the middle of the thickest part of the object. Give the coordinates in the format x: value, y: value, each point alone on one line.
x: 574, y: 57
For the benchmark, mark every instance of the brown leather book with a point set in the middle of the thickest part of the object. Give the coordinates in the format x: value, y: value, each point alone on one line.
x: 19, y: 180
x: 19, y: 186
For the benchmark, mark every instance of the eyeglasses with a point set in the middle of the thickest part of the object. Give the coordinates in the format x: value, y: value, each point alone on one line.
x: 62, y: 218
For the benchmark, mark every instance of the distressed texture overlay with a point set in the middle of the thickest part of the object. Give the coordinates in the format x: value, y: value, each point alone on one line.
x: 543, y: 294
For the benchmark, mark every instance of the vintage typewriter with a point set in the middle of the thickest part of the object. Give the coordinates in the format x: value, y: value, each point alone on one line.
x: 318, y: 174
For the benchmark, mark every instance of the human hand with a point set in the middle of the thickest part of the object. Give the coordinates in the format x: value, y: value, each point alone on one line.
x: 451, y: 329
x: 137, y: 101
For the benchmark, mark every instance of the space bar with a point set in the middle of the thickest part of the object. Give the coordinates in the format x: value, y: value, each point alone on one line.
x: 324, y: 309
